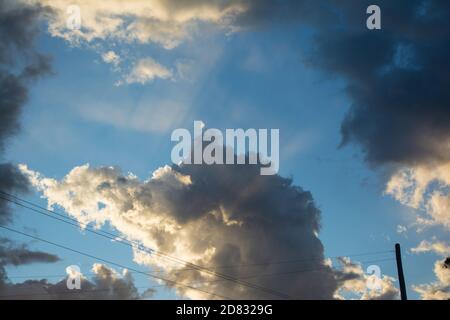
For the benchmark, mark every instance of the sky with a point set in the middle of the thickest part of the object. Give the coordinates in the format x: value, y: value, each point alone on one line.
x: 364, y: 163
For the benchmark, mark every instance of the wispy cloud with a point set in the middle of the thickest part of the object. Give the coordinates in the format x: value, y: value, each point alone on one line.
x: 146, y: 70
x: 157, y: 116
x: 438, y: 247
x: 111, y: 57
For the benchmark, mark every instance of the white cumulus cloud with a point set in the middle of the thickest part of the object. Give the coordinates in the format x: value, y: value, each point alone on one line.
x: 440, y: 289
x: 438, y: 247
x: 425, y: 188
x: 228, y: 218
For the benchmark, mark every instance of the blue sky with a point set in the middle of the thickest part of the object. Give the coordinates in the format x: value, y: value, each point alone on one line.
x: 252, y: 79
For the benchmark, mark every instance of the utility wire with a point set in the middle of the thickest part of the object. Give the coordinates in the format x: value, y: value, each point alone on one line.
x: 324, y: 268
x: 111, y: 262
x: 140, y: 247
x: 133, y: 244
x: 116, y: 236
x: 93, y: 273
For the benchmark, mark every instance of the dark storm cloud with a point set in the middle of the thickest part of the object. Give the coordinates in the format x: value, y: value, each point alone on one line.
x: 220, y: 215
x: 270, y: 13
x: 12, y: 254
x: 219, y: 184
x: 19, y: 62
x: 105, y: 284
x: 11, y: 180
x: 16, y: 255
x: 398, y: 77
x: 276, y: 220
x: 20, y: 65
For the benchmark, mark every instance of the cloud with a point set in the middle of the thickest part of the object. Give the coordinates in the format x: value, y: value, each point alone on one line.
x: 406, y: 127
x: 210, y: 215
x: 166, y: 23
x: 11, y: 254
x: 146, y: 70
x: 227, y: 218
x: 105, y: 283
x: 424, y: 187
x: 162, y: 23
x: 111, y: 57
x: 151, y: 115
x: 397, y: 80
x: 403, y: 127
x: 20, y: 65
x: 439, y: 290
x: 159, y: 111
x: 401, y: 229
x: 439, y: 247
x: 354, y: 281
x: 11, y: 180
x: 17, y: 255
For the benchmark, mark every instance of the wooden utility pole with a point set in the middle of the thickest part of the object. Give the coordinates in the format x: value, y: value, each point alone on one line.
x: 401, y: 277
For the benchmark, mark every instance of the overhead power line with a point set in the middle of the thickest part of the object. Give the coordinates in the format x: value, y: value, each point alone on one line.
x: 111, y: 262
x: 324, y: 268
x: 134, y: 244
x: 142, y: 248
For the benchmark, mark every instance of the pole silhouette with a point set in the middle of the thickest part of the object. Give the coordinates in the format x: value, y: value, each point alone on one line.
x: 401, y: 277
